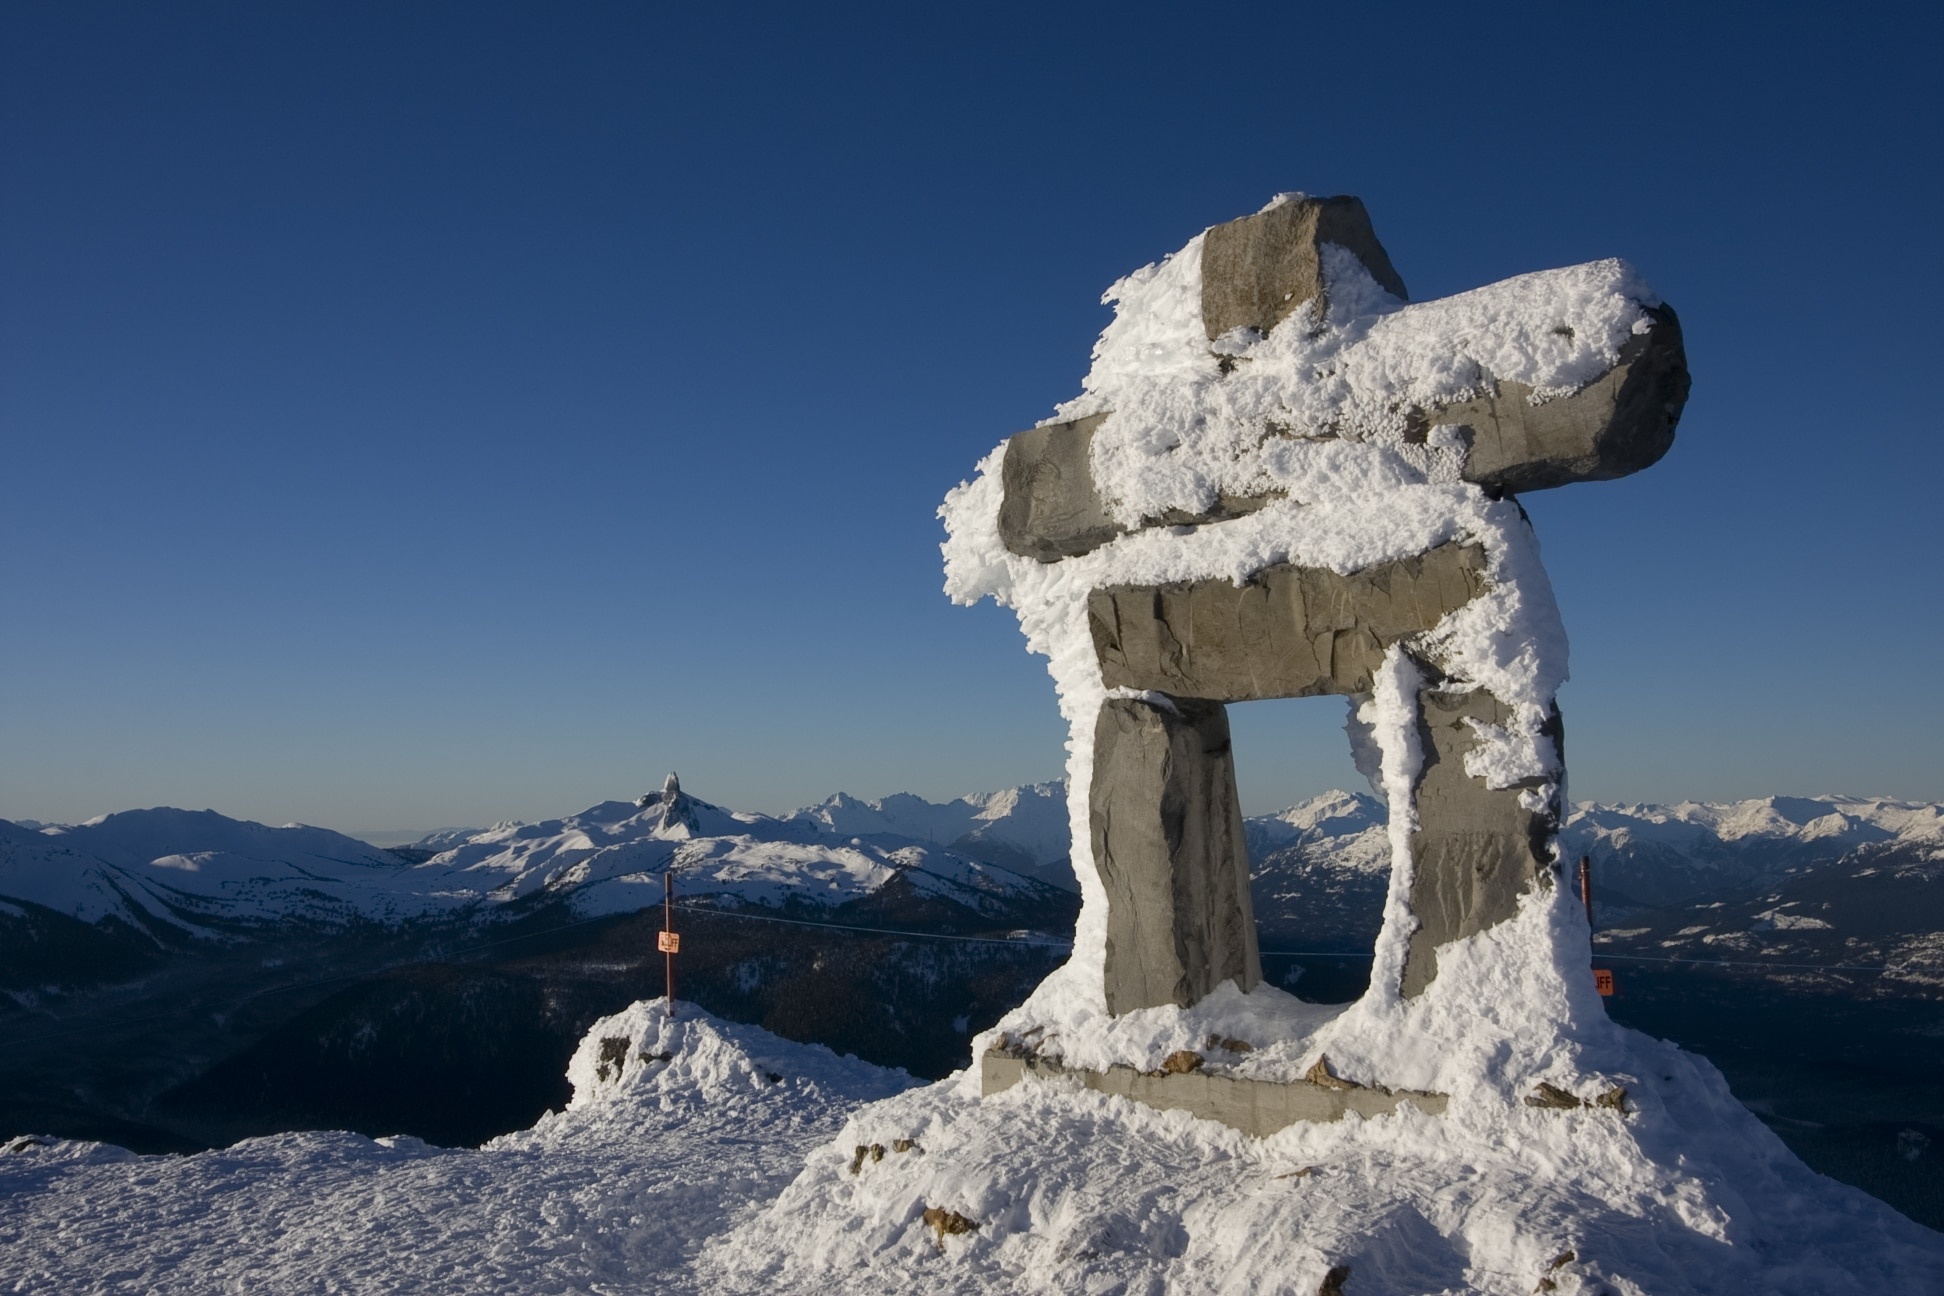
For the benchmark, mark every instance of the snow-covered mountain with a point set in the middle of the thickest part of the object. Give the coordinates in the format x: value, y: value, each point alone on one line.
x: 171, y: 977
x: 1319, y: 870
x: 1320, y: 867
x: 1660, y: 855
x: 1023, y: 828
x: 1819, y: 881
x: 611, y: 858
x: 180, y: 866
x: 188, y: 869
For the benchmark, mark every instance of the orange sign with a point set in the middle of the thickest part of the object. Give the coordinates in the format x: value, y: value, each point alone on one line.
x: 671, y: 943
x: 1603, y: 981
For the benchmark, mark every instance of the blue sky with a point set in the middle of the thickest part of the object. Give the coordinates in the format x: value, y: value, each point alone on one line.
x: 426, y: 414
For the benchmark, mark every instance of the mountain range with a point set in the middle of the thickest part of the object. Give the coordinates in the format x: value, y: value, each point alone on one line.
x: 175, y: 979
x: 1807, y: 879
x: 1790, y: 888
x: 171, y: 873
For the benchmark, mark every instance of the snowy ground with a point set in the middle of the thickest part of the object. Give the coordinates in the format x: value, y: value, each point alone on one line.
x: 613, y: 1195
x: 732, y: 1166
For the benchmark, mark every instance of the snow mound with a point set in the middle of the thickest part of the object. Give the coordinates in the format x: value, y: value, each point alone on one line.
x: 1058, y: 1189
x: 644, y: 1057
x: 616, y: 1194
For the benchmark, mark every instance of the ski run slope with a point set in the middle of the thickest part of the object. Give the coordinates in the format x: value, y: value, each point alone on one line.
x: 704, y: 1157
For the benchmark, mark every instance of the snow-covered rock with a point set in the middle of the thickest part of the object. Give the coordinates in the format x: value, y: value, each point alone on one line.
x: 1654, y: 1180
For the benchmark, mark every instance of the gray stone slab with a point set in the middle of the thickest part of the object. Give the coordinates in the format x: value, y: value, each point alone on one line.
x: 1476, y: 849
x: 1169, y: 845
x: 1258, y: 269
x: 1051, y: 510
x: 1258, y: 1107
x: 1618, y: 424
x: 1289, y: 632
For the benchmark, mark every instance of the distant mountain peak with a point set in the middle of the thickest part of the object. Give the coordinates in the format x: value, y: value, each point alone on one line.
x: 677, y: 811
x: 1359, y: 810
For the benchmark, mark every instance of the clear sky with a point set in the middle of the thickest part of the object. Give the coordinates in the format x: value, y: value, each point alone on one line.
x: 439, y: 413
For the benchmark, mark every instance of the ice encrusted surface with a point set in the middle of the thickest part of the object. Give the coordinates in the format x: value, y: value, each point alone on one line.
x: 1289, y: 409
x: 1682, y: 1191
x: 1314, y: 410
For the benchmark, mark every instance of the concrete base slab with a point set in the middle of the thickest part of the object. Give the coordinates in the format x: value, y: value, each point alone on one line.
x: 1258, y: 1107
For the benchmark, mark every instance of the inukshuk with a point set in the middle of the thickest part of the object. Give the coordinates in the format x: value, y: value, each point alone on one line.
x: 1283, y: 481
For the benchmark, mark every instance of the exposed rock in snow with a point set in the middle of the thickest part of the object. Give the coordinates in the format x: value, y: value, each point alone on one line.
x: 677, y: 818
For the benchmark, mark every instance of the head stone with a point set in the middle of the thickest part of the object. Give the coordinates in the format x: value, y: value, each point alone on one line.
x: 1259, y: 269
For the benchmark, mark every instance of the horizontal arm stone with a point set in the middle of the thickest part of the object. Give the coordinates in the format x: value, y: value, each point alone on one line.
x: 1289, y: 632
x: 1617, y: 424
x: 1257, y: 270
x: 1621, y: 422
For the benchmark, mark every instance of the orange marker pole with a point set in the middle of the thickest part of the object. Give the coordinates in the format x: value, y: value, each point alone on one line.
x: 1602, y: 978
x: 669, y: 941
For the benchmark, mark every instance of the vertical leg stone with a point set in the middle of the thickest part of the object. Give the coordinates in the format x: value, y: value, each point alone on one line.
x: 1476, y: 850
x: 1168, y: 841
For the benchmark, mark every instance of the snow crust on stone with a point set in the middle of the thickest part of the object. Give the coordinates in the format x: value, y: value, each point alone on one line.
x: 1391, y: 715
x: 1681, y: 1191
x: 1314, y: 410
x: 1256, y: 413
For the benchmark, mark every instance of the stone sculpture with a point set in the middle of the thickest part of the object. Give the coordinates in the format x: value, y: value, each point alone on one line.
x: 1163, y: 824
